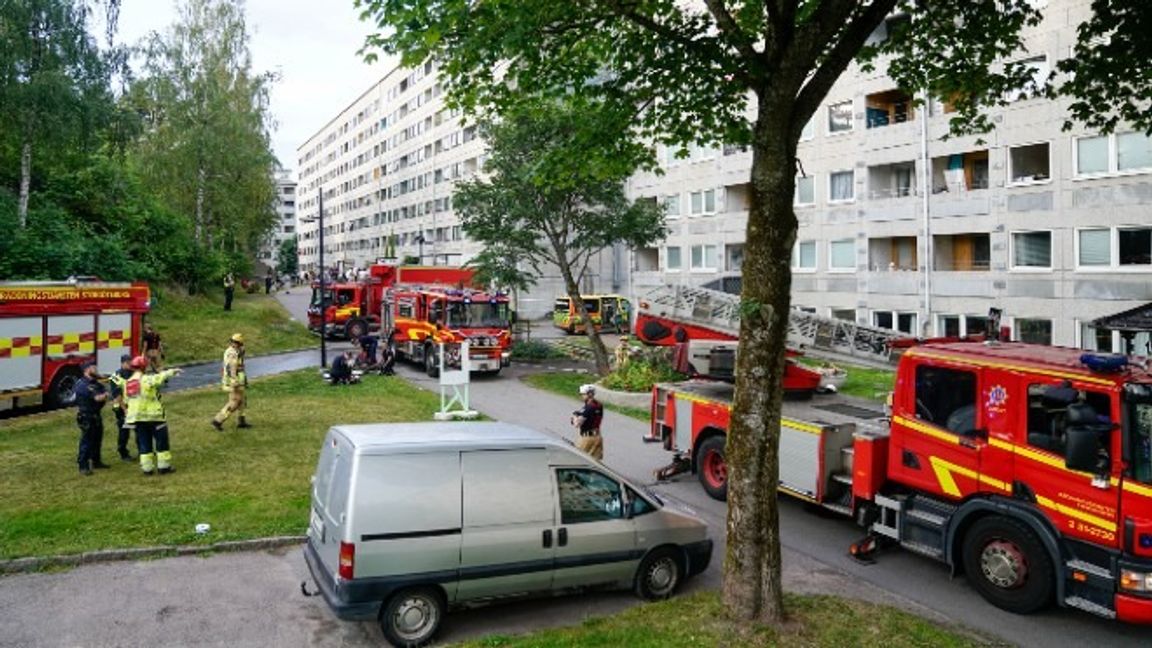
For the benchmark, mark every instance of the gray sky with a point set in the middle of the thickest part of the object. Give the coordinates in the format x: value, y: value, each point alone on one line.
x: 311, y: 44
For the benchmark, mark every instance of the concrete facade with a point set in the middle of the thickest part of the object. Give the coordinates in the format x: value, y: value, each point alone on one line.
x: 285, y: 227
x: 388, y: 165
x: 1053, y: 227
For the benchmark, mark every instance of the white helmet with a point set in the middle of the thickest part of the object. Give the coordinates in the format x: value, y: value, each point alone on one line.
x: 587, y: 389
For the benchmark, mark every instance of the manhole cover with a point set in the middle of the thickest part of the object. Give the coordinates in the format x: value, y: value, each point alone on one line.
x: 851, y: 410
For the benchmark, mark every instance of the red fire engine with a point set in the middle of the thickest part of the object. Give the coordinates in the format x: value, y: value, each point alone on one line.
x: 1027, y: 467
x: 47, y: 329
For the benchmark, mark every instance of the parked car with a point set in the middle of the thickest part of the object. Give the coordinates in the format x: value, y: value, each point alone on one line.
x: 409, y: 520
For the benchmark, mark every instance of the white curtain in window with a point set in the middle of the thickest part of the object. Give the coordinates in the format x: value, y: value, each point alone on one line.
x: 840, y: 185
x: 842, y: 254
x: 710, y: 257
x: 697, y: 202
x: 805, y: 190
x: 710, y: 201
x: 1095, y: 247
x: 673, y: 258
x: 1032, y: 249
x: 672, y: 205
x: 807, y: 254
x: 1133, y: 151
x: 1092, y: 155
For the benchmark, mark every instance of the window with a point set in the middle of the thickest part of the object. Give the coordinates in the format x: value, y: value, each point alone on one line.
x: 1107, y: 154
x: 840, y: 117
x: 638, y: 504
x: 1039, y: 69
x: 804, y: 255
x: 1032, y: 249
x: 1140, y: 421
x: 946, y: 398
x: 704, y: 257
x: 672, y: 206
x: 1094, y: 247
x: 841, y: 186
x: 1114, y: 248
x: 672, y: 258
x: 809, y: 131
x: 962, y: 325
x: 734, y: 257
x: 904, y: 322
x: 1029, y: 163
x: 588, y: 496
x: 846, y: 314
x: 842, y: 255
x: 703, y: 202
x: 1034, y: 331
x: 1048, y: 406
x: 805, y: 190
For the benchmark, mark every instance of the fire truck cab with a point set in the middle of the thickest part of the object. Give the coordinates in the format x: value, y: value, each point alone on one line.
x: 420, y: 318
x: 1026, y: 467
x: 49, y: 328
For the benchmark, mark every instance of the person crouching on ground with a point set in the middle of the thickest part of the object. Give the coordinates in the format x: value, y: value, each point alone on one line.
x: 234, y: 380
x: 145, y: 414
x: 341, y: 371
x: 587, y: 419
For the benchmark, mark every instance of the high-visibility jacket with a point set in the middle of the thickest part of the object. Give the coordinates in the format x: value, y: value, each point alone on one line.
x: 142, y: 396
x: 232, y: 372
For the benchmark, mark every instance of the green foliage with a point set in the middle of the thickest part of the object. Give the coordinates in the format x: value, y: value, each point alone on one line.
x: 288, y: 261
x: 643, y: 369
x: 535, y: 350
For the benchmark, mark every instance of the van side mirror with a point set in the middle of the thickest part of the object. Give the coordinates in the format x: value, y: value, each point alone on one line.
x: 1081, y: 449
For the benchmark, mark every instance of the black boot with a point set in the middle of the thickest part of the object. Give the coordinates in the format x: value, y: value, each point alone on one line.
x: 243, y: 423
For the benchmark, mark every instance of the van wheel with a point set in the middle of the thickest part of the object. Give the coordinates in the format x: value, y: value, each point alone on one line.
x: 712, y: 469
x: 659, y: 575
x: 412, y: 616
x: 1008, y: 565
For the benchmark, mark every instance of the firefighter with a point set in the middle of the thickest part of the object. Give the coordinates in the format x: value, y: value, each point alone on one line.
x: 117, y: 381
x: 90, y: 399
x: 234, y: 380
x: 145, y: 415
x: 587, y: 420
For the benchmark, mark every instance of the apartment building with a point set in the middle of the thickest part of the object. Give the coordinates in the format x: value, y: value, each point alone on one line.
x: 902, y: 228
x: 387, y: 167
x: 285, y: 227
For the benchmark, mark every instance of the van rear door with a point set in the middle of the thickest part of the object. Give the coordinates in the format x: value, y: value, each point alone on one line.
x: 330, y: 499
x: 509, y: 537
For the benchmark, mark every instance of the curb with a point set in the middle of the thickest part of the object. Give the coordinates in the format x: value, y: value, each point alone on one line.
x: 25, y: 565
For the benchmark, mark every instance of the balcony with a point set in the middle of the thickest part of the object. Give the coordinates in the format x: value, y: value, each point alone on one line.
x: 892, y: 254
x: 888, y: 108
x: 886, y: 181
x: 960, y: 172
x: 962, y: 252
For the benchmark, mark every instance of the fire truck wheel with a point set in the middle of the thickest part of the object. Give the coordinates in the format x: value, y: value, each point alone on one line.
x: 659, y: 575
x: 1008, y: 565
x: 431, y: 366
x: 62, y: 391
x: 712, y: 469
x: 356, y: 329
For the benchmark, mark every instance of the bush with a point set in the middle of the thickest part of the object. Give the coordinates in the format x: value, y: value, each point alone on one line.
x: 643, y: 369
x: 535, y: 350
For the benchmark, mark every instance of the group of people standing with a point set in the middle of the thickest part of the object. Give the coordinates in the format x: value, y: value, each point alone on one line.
x: 135, y: 393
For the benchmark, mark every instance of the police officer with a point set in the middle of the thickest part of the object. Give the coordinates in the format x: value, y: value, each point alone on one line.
x: 145, y: 414
x: 587, y: 419
x: 90, y: 399
x: 117, y: 380
x: 234, y: 380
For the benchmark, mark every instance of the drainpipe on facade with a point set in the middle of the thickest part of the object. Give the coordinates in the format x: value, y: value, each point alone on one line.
x: 926, y: 190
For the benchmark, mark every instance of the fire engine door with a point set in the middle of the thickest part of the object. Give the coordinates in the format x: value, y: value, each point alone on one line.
x: 1079, y: 505
x: 940, y: 445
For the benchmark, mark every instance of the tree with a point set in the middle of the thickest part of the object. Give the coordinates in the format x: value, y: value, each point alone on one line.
x: 749, y: 72
x: 206, y: 146
x: 288, y: 258
x: 53, y: 83
x: 555, y: 193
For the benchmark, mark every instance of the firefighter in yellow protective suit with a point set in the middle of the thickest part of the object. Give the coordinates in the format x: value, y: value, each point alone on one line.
x: 144, y: 413
x: 234, y: 380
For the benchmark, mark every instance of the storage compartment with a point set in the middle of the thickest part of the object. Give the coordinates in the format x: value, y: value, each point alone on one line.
x: 869, y: 465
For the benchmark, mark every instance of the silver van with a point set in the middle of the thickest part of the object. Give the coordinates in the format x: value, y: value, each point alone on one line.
x: 411, y: 519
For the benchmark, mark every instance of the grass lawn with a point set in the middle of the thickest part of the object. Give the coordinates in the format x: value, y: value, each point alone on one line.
x: 863, y: 382
x: 698, y: 621
x: 245, y: 483
x: 197, y: 328
x: 567, y: 383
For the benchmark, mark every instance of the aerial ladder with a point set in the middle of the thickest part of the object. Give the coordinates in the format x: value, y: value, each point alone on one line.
x: 675, y: 314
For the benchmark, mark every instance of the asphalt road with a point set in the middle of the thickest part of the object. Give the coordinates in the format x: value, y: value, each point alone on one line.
x: 254, y: 598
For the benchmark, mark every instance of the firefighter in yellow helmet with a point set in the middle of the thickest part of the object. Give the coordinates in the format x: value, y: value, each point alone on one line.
x: 145, y: 414
x: 234, y: 380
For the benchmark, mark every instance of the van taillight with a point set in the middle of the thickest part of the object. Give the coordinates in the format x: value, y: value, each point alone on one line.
x: 347, y: 560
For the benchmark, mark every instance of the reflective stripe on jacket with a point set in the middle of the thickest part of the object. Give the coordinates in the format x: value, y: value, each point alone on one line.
x: 142, y: 396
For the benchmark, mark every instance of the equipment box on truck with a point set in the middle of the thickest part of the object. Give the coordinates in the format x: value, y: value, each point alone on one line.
x: 410, y: 519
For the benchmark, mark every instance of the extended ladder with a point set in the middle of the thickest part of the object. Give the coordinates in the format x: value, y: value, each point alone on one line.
x: 720, y: 312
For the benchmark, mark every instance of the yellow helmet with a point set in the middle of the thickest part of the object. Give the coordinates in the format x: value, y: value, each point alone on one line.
x: 237, y: 338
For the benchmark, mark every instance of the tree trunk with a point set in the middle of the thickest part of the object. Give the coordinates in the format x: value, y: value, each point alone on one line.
x: 25, y: 182
x: 752, y: 581
x: 599, y: 353
x: 198, y: 221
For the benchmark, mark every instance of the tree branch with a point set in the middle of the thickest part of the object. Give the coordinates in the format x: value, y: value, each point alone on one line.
x: 729, y: 28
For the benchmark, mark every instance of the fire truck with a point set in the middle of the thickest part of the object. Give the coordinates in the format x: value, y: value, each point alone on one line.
x: 48, y: 329
x: 1026, y: 467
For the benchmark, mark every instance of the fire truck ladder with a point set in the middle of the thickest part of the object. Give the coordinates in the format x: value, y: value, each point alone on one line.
x: 820, y: 336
